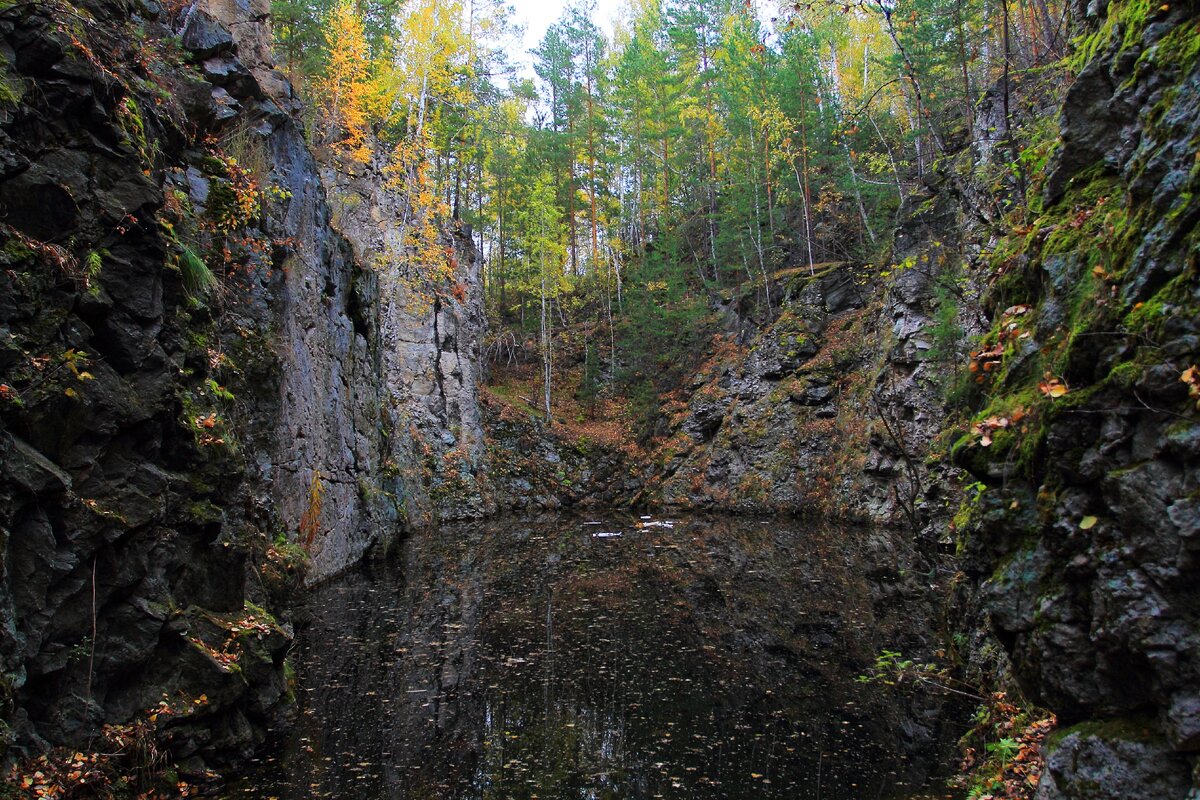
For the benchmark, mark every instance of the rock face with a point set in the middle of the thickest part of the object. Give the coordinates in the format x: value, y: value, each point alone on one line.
x: 832, y: 407
x: 192, y: 377
x: 428, y: 338
x: 1084, y: 540
x: 319, y: 418
x: 532, y: 465
x: 131, y: 538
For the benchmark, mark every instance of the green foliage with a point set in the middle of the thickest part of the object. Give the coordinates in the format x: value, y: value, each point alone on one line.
x: 700, y: 151
x: 662, y: 332
x: 1004, y: 749
x: 130, y: 119
x: 643, y: 406
x: 892, y: 668
x: 11, y: 90
x: 946, y: 332
x: 93, y: 264
x: 298, y: 27
x: 198, y: 279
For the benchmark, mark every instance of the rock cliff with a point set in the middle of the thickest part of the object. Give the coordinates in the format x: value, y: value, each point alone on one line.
x: 428, y: 348
x: 200, y: 376
x: 833, y: 405
x: 1086, y: 441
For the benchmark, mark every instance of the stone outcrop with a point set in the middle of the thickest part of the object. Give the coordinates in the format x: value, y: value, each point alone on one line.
x: 1084, y: 541
x: 428, y: 339
x: 132, y: 540
x: 193, y: 375
x: 531, y: 464
x: 833, y: 407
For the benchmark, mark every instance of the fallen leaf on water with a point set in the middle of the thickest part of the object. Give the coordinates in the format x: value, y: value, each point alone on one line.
x: 1087, y: 523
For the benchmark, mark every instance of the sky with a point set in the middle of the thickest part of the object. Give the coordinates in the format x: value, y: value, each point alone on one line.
x: 538, y: 15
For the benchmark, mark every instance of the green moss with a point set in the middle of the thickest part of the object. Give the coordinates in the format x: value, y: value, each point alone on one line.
x: 1178, y: 50
x: 15, y: 251
x: 1017, y: 445
x: 203, y: 511
x: 1122, y: 27
x: 1147, y: 318
x: 1125, y: 374
x: 132, y: 122
x: 261, y: 614
x: 10, y: 94
x: 213, y: 167
x: 1133, y: 728
x: 289, y: 679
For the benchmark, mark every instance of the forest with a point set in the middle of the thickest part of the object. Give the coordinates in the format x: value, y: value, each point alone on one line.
x: 705, y: 147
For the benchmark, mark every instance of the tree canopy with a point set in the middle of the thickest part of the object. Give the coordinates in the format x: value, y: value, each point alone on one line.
x: 704, y: 147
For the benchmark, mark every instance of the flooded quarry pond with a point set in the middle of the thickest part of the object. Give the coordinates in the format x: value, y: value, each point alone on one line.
x: 564, y: 657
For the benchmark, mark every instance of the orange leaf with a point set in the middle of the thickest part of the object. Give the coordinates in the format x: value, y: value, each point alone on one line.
x: 1052, y: 387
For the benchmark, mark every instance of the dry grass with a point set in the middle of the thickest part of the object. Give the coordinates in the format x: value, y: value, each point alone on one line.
x: 516, y: 392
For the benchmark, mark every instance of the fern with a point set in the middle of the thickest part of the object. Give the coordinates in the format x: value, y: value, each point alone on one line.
x: 93, y: 264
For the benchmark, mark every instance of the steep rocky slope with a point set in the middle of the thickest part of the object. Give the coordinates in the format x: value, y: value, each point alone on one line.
x: 833, y: 406
x: 1086, y: 442
x: 195, y: 375
x: 130, y: 530
x: 828, y: 405
x: 428, y: 349
x: 378, y: 407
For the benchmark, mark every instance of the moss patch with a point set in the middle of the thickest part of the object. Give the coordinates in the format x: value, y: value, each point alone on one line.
x: 1133, y: 728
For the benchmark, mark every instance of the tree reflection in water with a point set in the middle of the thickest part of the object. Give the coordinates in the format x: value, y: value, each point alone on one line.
x: 534, y: 658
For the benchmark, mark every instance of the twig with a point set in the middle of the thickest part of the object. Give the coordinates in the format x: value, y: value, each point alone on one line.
x: 87, y: 701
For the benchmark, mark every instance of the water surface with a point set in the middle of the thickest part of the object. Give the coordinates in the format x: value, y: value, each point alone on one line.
x: 565, y: 657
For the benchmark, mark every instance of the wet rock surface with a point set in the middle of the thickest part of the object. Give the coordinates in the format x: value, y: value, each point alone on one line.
x: 129, y: 529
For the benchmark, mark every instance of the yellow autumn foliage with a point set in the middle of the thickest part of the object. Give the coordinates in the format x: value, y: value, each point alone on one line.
x: 346, y: 88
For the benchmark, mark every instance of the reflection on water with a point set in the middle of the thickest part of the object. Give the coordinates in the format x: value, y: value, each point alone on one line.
x: 554, y: 658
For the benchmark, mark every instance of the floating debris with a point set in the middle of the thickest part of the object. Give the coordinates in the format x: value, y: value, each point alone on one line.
x: 706, y: 659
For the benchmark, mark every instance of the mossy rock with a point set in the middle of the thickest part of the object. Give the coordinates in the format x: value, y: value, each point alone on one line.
x: 1134, y: 728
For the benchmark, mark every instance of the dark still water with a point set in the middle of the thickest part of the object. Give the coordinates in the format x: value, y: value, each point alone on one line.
x: 614, y: 658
